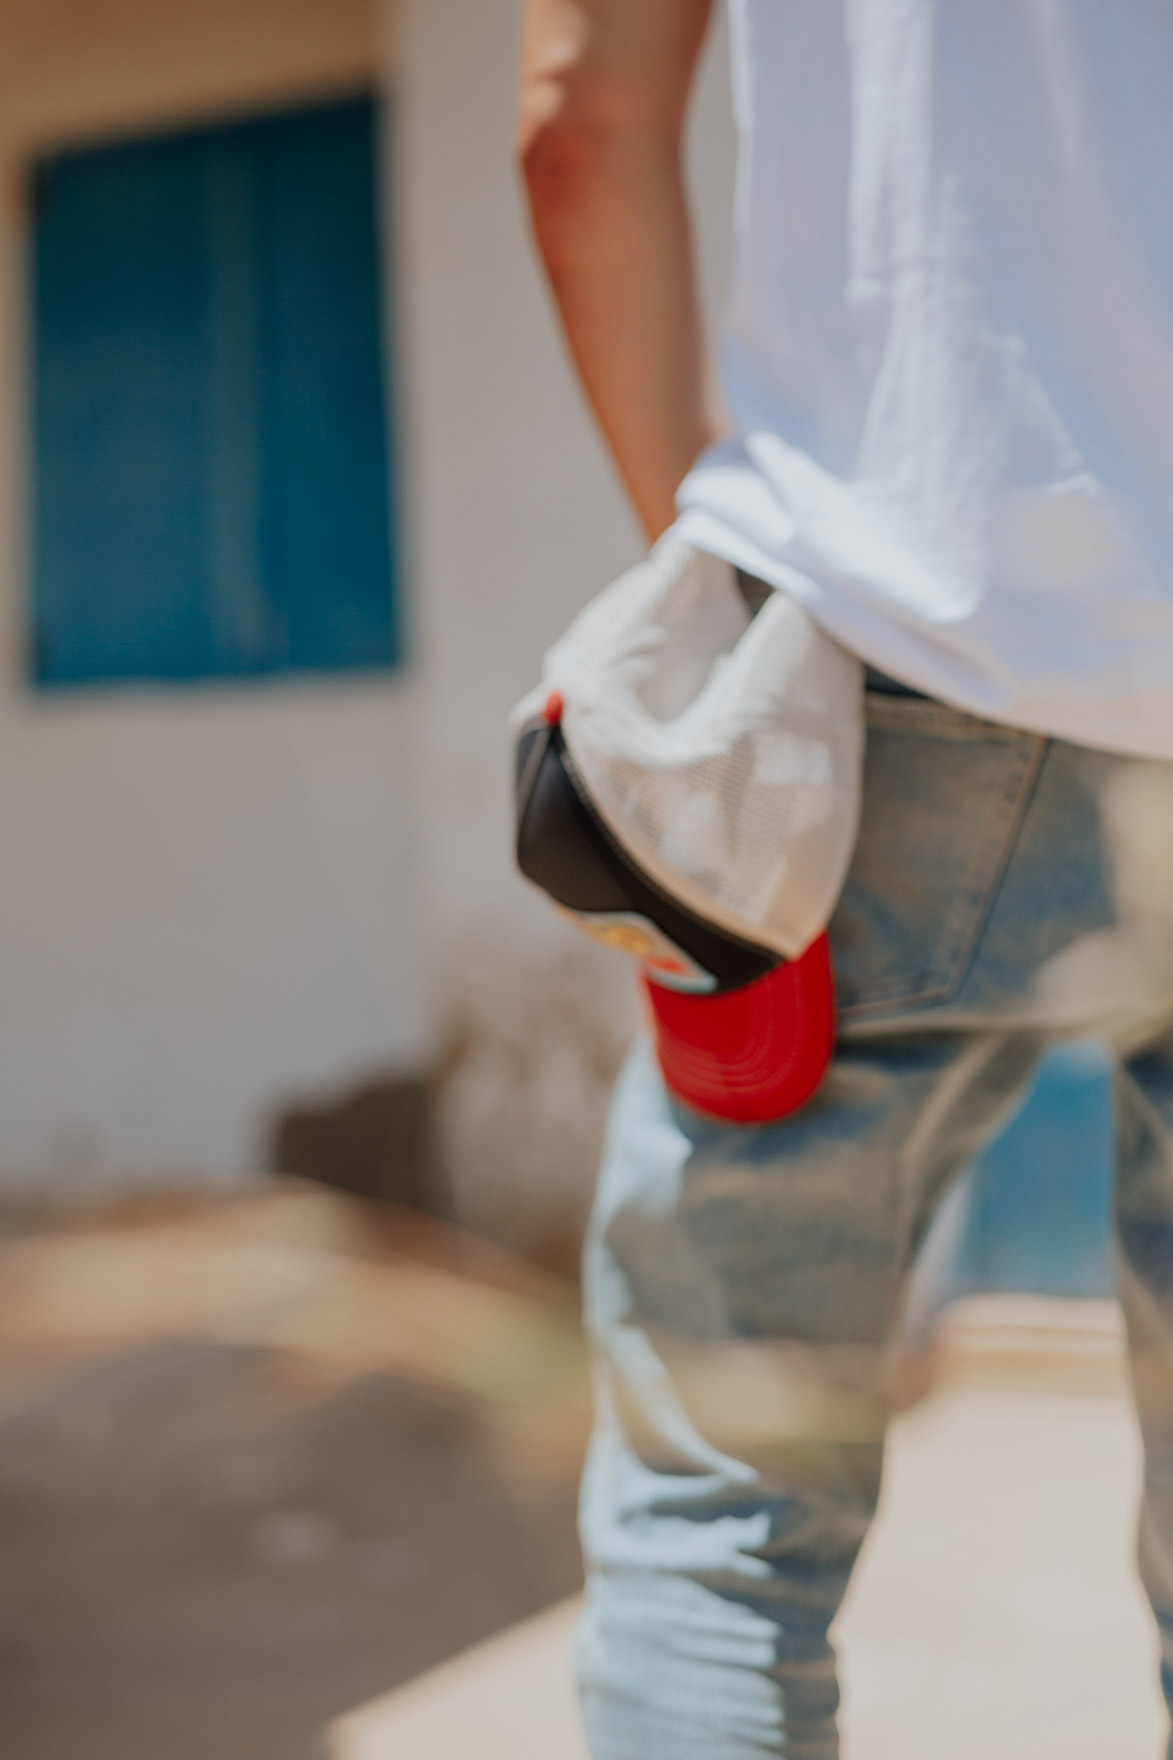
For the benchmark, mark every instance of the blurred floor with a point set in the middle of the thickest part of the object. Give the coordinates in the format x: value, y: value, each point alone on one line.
x: 995, y: 1612
x: 510, y: 1699
x: 260, y: 1459
x: 265, y: 1461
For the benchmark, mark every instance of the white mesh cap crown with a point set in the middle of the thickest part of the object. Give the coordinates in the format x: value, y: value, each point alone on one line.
x: 723, y: 754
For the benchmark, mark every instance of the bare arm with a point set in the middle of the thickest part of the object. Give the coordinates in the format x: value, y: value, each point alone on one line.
x: 604, y: 89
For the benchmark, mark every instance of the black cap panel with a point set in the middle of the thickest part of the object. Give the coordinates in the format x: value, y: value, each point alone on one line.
x: 564, y: 847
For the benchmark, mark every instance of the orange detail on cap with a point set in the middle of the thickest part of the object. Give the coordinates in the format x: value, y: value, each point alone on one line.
x: 552, y: 712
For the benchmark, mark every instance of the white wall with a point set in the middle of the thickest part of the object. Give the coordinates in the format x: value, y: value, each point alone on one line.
x: 213, y: 901
x: 207, y: 896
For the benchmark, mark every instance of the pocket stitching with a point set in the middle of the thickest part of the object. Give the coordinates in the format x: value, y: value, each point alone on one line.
x: 924, y: 714
x: 971, y: 908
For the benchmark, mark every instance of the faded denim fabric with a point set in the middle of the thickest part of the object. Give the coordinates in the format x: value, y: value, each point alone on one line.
x: 745, y: 1285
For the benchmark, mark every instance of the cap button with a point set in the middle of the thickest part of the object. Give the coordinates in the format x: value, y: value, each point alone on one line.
x: 553, y: 709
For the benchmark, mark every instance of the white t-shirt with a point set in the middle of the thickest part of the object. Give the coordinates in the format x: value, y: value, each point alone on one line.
x: 949, y: 348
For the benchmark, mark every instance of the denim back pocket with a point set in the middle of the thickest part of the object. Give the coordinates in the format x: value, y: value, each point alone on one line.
x: 943, y: 799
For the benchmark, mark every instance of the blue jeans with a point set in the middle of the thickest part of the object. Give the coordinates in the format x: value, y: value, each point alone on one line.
x: 745, y: 1286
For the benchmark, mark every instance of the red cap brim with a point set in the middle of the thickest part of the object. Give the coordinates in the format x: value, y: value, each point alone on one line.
x: 753, y: 1054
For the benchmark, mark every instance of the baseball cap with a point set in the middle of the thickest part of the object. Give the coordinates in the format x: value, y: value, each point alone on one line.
x: 687, y: 789
x: 740, y: 1031
x: 720, y: 744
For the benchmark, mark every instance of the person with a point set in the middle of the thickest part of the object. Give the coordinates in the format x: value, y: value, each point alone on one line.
x: 943, y: 423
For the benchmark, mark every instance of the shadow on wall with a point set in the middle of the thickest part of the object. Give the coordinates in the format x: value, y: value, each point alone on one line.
x: 504, y: 1134
x: 375, y: 1141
